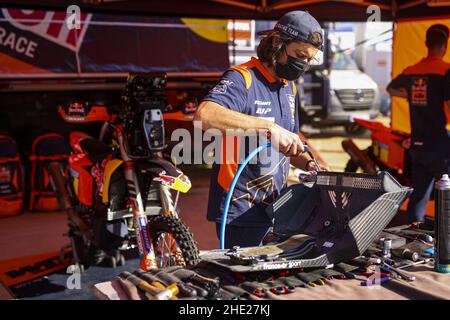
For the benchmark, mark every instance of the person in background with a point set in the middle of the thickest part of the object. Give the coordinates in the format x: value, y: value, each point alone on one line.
x: 426, y: 85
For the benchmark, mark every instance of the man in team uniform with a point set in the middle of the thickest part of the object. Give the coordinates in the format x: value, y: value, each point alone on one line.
x: 426, y: 85
x: 261, y: 95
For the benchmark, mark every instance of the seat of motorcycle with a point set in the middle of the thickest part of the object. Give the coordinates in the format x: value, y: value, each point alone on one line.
x: 96, y: 150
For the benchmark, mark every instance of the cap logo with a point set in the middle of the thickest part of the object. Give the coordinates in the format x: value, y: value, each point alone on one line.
x: 289, y: 30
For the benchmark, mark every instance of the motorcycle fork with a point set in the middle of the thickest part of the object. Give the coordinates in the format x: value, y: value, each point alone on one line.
x: 146, y: 250
x: 170, y: 210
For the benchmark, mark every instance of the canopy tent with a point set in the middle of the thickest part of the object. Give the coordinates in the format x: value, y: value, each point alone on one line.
x: 409, y: 36
x: 323, y: 10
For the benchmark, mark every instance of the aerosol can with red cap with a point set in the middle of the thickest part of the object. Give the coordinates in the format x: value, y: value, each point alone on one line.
x: 442, y: 225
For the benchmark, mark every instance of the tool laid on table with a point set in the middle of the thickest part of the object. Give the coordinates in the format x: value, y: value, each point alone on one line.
x: 375, y: 278
x: 414, y: 263
x: 406, y: 253
x: 240, y: 292
x: 151, y: 279
x: 387, y: 246
x: 310, y: 279
x: 412, y: 234
x: 365, y: 261
x: 254, y: 288
x: 152, y: 292
x: 163, y: 279
x: 292, y: 281
x: 211, y: 286
x: 396, y: 271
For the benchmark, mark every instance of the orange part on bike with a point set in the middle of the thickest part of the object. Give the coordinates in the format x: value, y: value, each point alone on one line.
x: 82, y: 178
x: 387, y: 144
x: 178, y: 115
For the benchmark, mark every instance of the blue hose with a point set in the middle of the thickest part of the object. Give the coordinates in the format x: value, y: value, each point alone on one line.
x: 231, y: 189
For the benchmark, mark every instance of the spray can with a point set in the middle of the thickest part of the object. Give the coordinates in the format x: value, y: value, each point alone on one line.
x: 442, y: 225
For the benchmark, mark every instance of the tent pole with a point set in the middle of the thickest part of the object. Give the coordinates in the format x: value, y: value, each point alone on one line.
x: 292, y: 4
x: 263, y: 5
x: 235, y: 3
x: 305, y: 2
x: 366, y: 4
x: 411, y: 4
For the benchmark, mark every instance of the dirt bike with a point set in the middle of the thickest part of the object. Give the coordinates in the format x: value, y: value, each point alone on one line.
x: 388, y: 152
x: 118, y: 193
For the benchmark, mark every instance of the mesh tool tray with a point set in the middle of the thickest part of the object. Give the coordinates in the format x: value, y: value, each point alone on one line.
x: 334, y: 220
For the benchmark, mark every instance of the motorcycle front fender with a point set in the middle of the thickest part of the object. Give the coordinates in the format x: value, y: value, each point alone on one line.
x: 166, y: 173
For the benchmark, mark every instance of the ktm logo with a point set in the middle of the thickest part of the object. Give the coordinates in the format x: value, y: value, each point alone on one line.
x: 419, y: 90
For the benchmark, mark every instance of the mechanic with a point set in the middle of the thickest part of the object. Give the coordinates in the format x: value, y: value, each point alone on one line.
x: 261, y: 95
x: 426, y: 85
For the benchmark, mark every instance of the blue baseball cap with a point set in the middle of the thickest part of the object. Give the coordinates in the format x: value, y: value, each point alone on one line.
x: 301, y: 26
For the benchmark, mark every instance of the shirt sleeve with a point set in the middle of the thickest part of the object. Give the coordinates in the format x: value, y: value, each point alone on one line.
x: 400, y: 82
x: 230, y: 92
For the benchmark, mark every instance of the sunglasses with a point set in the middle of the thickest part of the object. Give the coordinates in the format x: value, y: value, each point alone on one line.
x: 303, y: 55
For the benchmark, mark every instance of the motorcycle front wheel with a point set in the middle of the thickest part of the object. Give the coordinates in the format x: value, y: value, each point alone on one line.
x: 173, y: 243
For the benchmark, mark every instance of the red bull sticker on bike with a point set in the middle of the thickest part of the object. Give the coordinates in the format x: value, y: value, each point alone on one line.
x: 166, y: 180
x: 76, y: 108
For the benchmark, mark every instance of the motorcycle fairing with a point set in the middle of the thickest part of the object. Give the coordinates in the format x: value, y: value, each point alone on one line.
x: 75, y: 138
x: 81, y: 176
x: 77, y: 112
x: 110, y: 168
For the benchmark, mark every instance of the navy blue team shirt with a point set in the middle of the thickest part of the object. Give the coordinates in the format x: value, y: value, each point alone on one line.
x: 251, y: 90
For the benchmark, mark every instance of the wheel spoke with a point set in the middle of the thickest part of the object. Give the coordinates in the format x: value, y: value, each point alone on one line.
x: 165, y: 245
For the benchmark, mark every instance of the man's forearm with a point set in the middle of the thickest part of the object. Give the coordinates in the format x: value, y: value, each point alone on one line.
x: 397, y: 93
x: 214, y: 116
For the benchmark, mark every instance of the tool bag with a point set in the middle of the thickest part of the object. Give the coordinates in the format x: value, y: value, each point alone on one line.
x: 46, y: 148
x: 11, y: 178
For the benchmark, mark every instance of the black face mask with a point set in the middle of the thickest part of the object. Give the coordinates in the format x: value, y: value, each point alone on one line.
x: 292, y: 69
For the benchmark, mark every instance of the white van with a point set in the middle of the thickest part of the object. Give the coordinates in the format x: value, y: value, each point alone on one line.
x: 353, y: 93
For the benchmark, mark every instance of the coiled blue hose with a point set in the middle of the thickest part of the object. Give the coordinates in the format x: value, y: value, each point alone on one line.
x: 231, y: 189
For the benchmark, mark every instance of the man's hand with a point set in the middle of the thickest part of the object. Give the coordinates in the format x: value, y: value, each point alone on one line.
x: 285, y: 141
x: 311, y: 166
